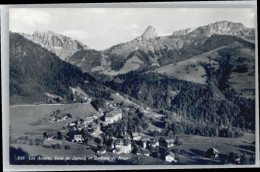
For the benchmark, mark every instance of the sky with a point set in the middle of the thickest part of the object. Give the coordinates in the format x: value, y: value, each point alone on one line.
x: 101, y: 28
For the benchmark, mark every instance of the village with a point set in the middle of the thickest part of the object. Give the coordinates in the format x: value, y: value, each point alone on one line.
x: 88, y: 132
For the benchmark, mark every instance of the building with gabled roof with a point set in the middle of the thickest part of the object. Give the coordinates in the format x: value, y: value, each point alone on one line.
x: 154, y: 143
x: 143, y: 152
x: 212, y: 153
x: 168, y: 143
x: 78, y: 138
x: 113, y: 116
x: 170, y: 157
x: 136, y: 136
x: 124, y: 145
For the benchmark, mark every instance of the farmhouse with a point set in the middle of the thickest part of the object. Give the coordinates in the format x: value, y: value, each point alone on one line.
x: 112, y: 143
x: 127, y: 136
x: 170, y: 157
x: 117, y: 151
x: 136, y: 136
x: 154, y: 142
x: 113, y: 116
x: 168, y: 142
x: 88, y: 120
x: 144, y: 142
x: 78, y: 138
x: 51, y: 142
x: 123, y: 145
x: 102, y: 151
x: 212, y: 153
x: 143, y: 152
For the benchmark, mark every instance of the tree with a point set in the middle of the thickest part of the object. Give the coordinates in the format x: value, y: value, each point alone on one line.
x: 59, y: 135
x: 170, y: 134
x: 178, y: 141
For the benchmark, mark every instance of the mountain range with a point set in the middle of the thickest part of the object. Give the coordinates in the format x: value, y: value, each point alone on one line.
x: 204, y: 74
x: 148, y: 52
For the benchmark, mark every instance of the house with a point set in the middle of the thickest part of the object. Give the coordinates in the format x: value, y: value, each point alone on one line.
x: 78, y: 138
x: 113, y: 116
x: 117, y: 151
x: 212, y: 153
x: 118, y: 143
x: 170, y: 157
x: 51, y: 142
x: 102, y: 151
x: 143, y: 152
x: 127, y: 147
x: 112, y: 143
x: 154, y: 143
x: 136, y: 136
x: 124, y: 145
x: 127, y: 136
x: 144, y: 142
x: 168, y: 143
x: 101, y: 112
x: 88, y: 120
x: 237, y: 159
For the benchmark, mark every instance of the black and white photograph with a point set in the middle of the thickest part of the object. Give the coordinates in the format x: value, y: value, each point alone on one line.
x: 132, y: 86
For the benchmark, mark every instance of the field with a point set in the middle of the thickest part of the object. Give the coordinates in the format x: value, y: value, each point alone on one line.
x: 189, y: 69
x: 31, y: 120
x: 195, y: 146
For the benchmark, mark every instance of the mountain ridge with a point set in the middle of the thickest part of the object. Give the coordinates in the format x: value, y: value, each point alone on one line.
x: 61, y: 45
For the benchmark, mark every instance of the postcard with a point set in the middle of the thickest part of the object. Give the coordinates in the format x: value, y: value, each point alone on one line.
x: 164, y: 86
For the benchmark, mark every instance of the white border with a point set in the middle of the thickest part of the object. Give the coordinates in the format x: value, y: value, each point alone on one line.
x: 5, y: 81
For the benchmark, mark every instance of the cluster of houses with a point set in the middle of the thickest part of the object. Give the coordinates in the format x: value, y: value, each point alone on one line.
x: 123, y: 145
x: 58, y: 117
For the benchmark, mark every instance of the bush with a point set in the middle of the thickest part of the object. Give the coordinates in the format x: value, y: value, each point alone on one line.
x: 67, y: 147
x: 56, y: 146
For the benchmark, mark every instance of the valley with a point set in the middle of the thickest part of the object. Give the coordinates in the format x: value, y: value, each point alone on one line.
x: 183, y: 99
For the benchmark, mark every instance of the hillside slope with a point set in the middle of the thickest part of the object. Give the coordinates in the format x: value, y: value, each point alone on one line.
x: 35, y: 71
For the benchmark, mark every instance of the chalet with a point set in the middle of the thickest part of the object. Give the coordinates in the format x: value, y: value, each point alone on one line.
x: 170, y: 157
x: 117, y: 151
x: 78, y: 138
x: 81, y: 121
x: 168, y: 143
x: 51, y: 142
x: 101, y: 112
x: 127, y: 136
x: 102, y: 151
x: 237, y: 159
x: 154, y: 143
x: 127, y: 148
x: 112, y: 143
x: 118, y: 143
x: 212, y: 153
x: 136, y: 136
x: 88, y: 120
x: 144, y: 142
x: 123, y: 145
x: 113, y: 116
x: 143, y: 152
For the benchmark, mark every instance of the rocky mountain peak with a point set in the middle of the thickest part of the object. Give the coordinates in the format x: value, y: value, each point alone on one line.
x: 150, y: 32
x: 221, y: 27
x: 61, y: 45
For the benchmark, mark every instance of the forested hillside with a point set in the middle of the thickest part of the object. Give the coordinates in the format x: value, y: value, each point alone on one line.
x: 35, y: 71
x: 208, y: 104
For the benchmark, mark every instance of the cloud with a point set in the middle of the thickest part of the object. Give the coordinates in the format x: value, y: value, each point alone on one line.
x: 77, y: 34
x: 135, y: 26
x: 31, y: 17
